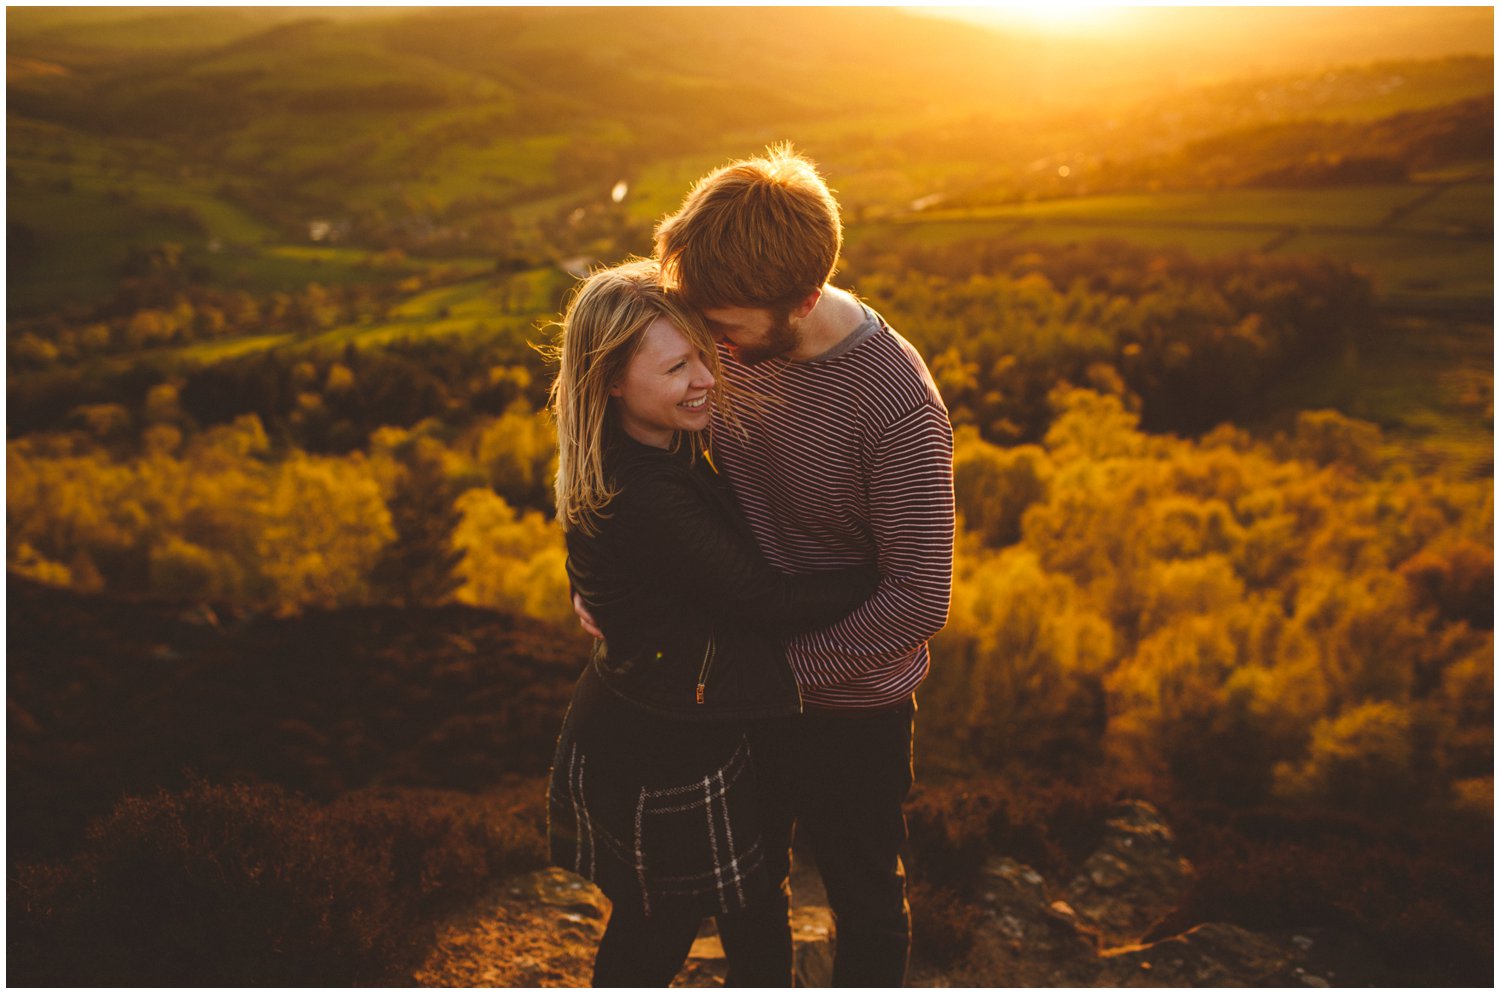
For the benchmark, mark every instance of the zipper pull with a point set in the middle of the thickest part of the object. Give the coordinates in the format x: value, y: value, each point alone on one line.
x: 700, y: 693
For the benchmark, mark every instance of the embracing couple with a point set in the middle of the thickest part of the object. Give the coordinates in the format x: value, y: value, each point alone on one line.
x: 755, y: 481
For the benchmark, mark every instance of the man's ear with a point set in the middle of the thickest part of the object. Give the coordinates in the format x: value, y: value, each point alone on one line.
x: 804, y: 308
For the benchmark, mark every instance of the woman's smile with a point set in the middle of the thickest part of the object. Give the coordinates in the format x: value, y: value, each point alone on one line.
x: 665, y: 388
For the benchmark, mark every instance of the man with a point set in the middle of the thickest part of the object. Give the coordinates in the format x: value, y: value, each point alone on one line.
x: 850, y: 461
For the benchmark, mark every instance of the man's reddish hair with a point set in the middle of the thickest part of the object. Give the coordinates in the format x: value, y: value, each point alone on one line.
x: 762, y: 232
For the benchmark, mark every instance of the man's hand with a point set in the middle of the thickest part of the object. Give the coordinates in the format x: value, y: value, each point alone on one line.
x: 585, y: 619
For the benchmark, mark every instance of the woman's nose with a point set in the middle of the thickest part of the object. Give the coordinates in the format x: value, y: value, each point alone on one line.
x: 702, y: 378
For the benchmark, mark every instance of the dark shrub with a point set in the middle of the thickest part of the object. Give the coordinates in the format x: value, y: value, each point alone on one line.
x: 952, y: 827
x: 442, y: 848
x: 1424, y: 897
x: 248, y: 885
x: 942, y: 924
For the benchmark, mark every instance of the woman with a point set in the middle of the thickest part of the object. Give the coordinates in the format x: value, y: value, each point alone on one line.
x: 653, y: 792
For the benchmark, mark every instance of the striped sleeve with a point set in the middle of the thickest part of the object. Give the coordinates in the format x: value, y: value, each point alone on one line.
x: 911, y: 521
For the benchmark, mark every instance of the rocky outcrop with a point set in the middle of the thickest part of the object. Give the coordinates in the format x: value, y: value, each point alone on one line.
x: 1085, y: 932
x: 1212, y: 955
x: 1133, y: 880
x: 542, y: 930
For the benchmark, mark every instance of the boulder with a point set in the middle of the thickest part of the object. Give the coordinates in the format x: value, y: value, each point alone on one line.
x: 1086, y: 933
x: 1210, y: 955
x: 812, y: 945
x: 542, y: 928
x: 566, y: 893
x: 1133, y: 880
x: 1033, y: 939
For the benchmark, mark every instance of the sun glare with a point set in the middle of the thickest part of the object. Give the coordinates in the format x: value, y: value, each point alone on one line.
x: 1059, y: 17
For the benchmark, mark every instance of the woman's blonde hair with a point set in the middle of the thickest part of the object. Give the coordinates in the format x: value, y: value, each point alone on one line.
x: 601, y: 329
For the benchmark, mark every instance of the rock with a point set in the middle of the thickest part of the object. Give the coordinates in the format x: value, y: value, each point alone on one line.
x: 540, y: 930
x: 1035, y: 940
x: 1063, y: 908
x: 705, y: 965
x: 812, y: 945
x: 1086, y: 934
x: 1011, y: 882
x: 1212, y: 955
x: 1133, y: 879
x: 564, y: 891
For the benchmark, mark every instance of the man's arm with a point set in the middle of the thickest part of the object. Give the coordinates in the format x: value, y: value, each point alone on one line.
x: 911, y: 518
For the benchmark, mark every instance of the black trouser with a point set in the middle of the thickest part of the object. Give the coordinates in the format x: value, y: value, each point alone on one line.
x: 841, y: 777
x: 641, y: 951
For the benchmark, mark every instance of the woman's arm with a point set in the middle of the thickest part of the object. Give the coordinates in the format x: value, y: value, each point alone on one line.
x: 671, y: 526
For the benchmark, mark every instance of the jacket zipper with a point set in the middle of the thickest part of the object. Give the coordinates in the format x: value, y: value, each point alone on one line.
x: 708, y: 659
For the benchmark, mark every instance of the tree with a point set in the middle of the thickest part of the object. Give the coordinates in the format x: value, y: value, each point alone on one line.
x: 420, y: 566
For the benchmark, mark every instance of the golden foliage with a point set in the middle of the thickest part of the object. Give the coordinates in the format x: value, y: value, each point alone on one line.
x: 514, y: 559
x: 1254, y: 613
x: 218, y: 522
x: 1017, y: 670
x: 1305, y: 617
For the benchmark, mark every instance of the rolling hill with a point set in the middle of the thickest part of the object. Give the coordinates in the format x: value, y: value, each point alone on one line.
x: 484, y: 134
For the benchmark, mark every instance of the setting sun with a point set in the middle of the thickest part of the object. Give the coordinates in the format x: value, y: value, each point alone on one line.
x: 1072, y: 17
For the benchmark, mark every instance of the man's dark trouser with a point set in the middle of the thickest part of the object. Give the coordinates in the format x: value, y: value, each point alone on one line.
x: 842, y: 777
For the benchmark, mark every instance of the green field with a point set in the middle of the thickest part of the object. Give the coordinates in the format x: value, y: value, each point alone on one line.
x: 1441, y: 250
x: 1428, y: 382
x: 82, y: 239
x: 1363, y: 206
x: 1462, y: 208
x: 208, y: 353
x: 487, y: 307
x: 1406, y: 266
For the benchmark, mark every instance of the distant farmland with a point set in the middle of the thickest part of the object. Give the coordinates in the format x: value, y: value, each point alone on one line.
x: 1421, y: 242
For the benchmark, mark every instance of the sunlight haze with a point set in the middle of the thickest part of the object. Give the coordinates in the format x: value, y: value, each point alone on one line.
x: 1221, y: 41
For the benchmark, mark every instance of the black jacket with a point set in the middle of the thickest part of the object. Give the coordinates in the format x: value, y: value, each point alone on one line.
x: 693, y: 616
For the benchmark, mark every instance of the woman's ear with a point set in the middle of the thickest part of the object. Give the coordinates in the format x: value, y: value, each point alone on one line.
x: 616, y: 390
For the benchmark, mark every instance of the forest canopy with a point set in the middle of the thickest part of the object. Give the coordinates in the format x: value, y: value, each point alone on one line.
x: 1306, y: 605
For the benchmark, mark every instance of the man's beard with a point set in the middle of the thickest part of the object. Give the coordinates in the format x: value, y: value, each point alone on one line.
x: 781, y: 338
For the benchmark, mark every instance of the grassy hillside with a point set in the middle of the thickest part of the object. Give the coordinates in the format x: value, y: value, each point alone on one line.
x: 483, y: 132
x: 1419, y: 242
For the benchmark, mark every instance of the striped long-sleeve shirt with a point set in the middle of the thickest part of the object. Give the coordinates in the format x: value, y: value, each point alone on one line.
x: 852, y: 463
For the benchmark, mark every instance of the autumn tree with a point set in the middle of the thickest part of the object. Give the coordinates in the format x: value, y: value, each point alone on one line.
x: 420, y: 565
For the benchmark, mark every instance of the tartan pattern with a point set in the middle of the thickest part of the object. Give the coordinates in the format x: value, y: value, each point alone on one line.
x: 696, y: 843
x: 584, y: 862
